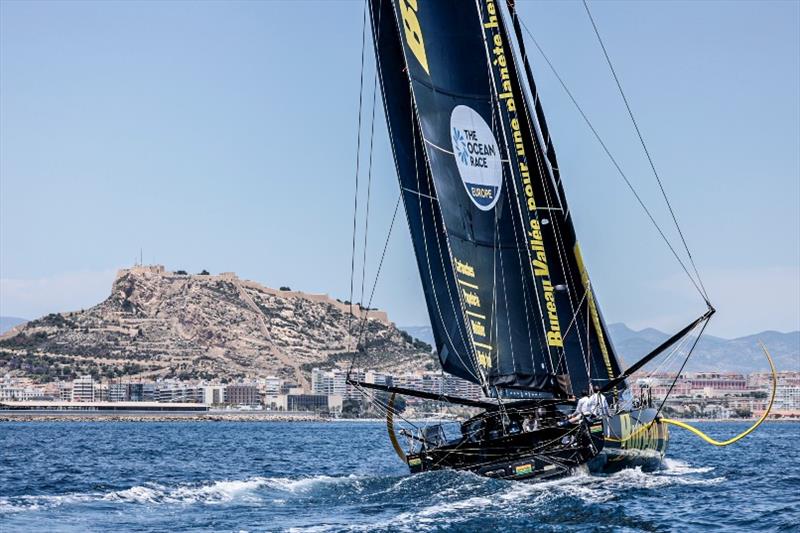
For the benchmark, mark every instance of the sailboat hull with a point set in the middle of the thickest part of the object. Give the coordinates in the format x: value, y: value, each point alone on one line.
x: 629, y: 439
x: 542, y: 454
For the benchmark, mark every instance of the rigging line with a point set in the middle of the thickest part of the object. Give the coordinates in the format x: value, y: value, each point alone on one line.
x: 369, y: 184
x: 499, y: 252
x: 613, y: 160
x: 572, y: 322
x: 680, y: 370
x: 372, y: 397
x: 644, y: 146
x: 369, y: 189
x: 512, y: 200
x: 358, y: 168
x: 589, y: 360
x: 671, y: 356
x: 522, y: 218
x: 378, y: 273
x: 465, y: 338
x: 544, y: 170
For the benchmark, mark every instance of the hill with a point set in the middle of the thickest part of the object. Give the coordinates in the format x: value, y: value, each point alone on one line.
x: 162, y: 324
x: 8, y: 322
x: 742, y: 354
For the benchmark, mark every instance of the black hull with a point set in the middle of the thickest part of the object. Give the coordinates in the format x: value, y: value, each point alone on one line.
x: 622, y: 441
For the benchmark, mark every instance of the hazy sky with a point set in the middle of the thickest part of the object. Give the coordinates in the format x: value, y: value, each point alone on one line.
x: 222, y: 136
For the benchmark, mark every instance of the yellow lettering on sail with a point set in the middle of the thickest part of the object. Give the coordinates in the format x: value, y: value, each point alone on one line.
x: 408, y: 10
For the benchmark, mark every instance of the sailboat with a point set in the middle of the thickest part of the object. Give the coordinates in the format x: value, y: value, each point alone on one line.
x: 508, y: 293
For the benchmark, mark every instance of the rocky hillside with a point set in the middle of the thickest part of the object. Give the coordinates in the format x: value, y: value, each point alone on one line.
x: 162, y: 324
x: 742, y: 354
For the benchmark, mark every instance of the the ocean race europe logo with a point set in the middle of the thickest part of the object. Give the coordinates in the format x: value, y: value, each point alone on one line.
x: 477, y: 156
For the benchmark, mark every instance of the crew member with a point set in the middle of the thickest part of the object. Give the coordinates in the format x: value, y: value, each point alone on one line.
x: 598, y: 405
x: 582, y: 409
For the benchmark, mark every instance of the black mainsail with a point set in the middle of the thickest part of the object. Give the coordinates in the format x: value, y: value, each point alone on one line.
x: 507, y: 292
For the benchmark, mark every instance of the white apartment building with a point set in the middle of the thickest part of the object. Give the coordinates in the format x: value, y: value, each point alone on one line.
x: 83, y: 389
x: 334, y: 382
x: 213, y: 394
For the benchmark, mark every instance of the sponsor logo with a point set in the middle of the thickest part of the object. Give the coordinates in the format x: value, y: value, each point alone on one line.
x: 523, y: 469
x: 477, y: 156
x: 413, y: 31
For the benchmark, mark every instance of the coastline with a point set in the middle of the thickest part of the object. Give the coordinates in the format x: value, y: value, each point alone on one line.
x: 243, y: 416
x: 250, y: 416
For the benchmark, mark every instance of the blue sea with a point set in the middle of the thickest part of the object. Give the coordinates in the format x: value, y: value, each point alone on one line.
x: 343, y: 476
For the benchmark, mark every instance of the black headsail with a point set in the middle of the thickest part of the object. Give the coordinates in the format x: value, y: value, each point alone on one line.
x: 507, y: 293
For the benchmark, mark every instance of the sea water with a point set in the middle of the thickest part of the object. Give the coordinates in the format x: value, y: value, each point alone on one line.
x: 344, y: 476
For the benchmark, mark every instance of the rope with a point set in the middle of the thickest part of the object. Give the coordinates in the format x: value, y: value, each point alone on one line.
x: 365, y: 318
x: 646, y: 151
x: 369, y: 188
x: 358, y: 168
x: 749, y: 430
x: 390, y: 428
x: 705, y: 437
x: 614, y: 161
x: 680, y: 371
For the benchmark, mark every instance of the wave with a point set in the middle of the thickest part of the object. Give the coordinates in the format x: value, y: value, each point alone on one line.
x: 253, y: 490
x: 421, y: 500
x: 678, y: 467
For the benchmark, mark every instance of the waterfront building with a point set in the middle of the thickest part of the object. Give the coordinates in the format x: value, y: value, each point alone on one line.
x: 763, y: 380
x: 787, y: 399
x: 83, y: 389
x: 717, y: 383
x: 213, y: 394
x: 100, y: 392
x: 378, y: 378
x: 275, y: 402
x: 307, y: 402
x: 141, y: 392
x: 118, y: 392
x: 242, y: 395
x: 439, y: 383
x: 65, y: 391
x: 271, y: 385
x: 334, y: 382
x: 20, y: 389
x: 660, y: 385
x: 171, y: 391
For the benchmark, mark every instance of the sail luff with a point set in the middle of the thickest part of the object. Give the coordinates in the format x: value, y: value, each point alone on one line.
x: 524, y: 153
x: 521, y: 218
x: 560, y: 238
x: 550, y: 183
x: 611, y: 361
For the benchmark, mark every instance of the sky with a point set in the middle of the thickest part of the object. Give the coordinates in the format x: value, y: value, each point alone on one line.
x: 222, y: 136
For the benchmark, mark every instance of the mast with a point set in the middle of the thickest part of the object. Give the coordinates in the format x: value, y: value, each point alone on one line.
x: 587, y: 351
